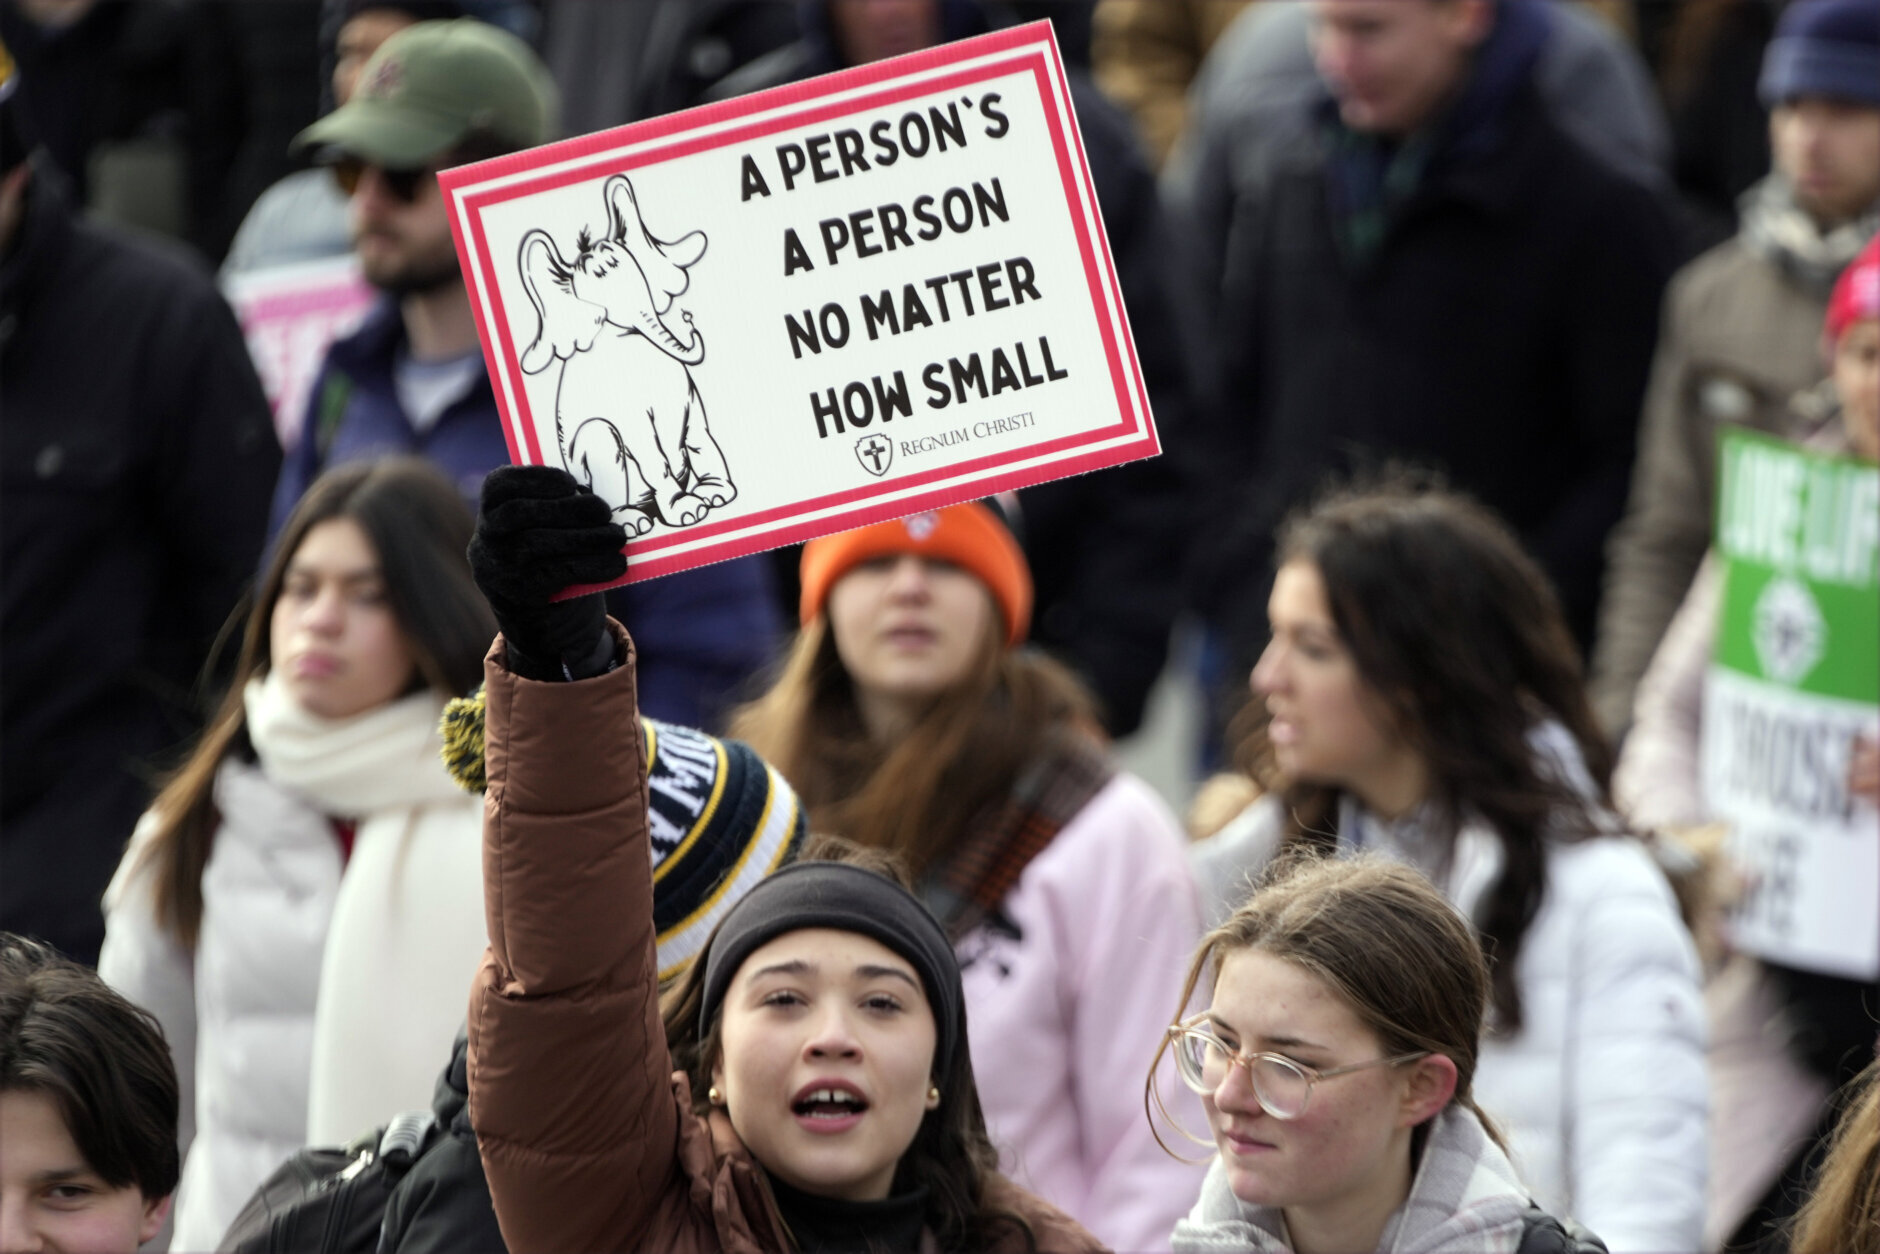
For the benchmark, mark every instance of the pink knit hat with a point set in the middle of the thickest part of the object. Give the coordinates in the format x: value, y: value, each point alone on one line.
x: 1856, y: 294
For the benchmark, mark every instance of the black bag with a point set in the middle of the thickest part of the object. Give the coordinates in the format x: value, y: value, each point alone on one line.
x: 1542, y: 1233
x: 331, y: 1201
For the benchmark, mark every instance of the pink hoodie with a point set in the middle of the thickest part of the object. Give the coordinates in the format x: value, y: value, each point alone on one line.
x: 1068, y: 991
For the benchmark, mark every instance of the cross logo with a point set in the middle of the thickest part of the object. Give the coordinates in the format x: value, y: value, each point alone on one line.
x: 1789, y: 632
x: 875, y: 451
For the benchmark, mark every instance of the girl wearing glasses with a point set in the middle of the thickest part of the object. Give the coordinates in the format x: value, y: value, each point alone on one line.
x: 1421, y: 698
x: 1335, y: 1061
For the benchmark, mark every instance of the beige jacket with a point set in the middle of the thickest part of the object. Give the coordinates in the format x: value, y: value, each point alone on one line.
x: 1739, y: 338
x: 1657, y: 782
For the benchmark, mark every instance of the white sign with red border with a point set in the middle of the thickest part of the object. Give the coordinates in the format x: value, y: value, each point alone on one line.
x: 816, y: 307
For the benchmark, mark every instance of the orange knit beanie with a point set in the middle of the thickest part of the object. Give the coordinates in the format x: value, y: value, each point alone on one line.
x: 969, y: 536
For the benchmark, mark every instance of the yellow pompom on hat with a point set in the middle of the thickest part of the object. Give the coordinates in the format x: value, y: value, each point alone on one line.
x: 720, y: 819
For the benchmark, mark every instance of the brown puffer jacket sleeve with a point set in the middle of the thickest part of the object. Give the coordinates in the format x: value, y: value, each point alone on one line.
x: 570, y: 1078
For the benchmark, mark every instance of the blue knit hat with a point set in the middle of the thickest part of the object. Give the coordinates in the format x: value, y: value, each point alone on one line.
x: 1824, y: 48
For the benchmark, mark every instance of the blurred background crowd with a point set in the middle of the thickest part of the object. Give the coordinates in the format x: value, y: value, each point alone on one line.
x: 1546, y: 248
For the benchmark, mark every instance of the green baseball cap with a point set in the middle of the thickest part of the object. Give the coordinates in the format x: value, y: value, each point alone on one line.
x: 432, y: 84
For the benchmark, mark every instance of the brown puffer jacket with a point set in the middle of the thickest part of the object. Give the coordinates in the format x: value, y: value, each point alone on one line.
x: 587, y: 1135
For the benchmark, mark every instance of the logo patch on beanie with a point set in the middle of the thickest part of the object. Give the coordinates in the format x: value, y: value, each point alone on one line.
x: 920, y: 526
x: 387, y: 77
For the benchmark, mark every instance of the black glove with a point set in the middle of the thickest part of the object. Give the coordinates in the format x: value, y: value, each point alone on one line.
x: 539, y: 531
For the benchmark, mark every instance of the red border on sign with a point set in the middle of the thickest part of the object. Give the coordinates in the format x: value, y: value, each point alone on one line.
x: 646, y: 556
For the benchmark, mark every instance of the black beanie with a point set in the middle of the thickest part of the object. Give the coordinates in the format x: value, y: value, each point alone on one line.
x: 846, y: 898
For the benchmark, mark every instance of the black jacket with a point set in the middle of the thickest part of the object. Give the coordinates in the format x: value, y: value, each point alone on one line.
x: 129, y: 85
x: 137, y: 457
x: 442, y: 1206
x: 1503, y: 331
x: 1105, y: 548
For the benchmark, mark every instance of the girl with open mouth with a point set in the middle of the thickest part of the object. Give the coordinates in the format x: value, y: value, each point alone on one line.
x: 809, y: 1085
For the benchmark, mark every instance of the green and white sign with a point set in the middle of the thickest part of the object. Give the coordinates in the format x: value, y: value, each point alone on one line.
x: 1795, y: 680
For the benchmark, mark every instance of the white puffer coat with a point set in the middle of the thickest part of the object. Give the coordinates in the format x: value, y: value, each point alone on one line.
x: 245, y: 1005
x: 1602, y: 1093
x: 245, y: 1016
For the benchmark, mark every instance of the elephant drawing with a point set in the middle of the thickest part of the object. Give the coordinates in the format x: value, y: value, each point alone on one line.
x: 628, y: 416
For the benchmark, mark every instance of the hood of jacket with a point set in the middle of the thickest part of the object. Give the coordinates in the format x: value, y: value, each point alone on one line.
x: 1464, y: 1199
x: 1503, y: 68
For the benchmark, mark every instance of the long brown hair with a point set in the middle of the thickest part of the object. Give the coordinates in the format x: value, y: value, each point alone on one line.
x: 419, y: 526
x: 918, y: 795
x: 1459, y: 638
x: 952, y: 1155
x: 1381, y: 937
x: 1842, y: 1214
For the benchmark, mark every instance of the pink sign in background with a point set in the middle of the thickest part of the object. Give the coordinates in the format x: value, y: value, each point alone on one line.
x: 289, y: 315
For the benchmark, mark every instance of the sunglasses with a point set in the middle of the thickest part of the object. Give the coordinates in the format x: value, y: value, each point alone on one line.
x: 402, y: 185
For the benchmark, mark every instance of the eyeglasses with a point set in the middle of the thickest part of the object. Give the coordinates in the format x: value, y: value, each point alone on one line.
x: 403, y: 185
x: 1281, y: 1086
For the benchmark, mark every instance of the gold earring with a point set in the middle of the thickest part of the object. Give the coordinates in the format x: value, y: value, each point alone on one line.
x: 933, y: 1096
x: 713, y: 1096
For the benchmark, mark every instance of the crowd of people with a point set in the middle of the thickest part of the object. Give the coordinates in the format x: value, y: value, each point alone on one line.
x: 857, y: 935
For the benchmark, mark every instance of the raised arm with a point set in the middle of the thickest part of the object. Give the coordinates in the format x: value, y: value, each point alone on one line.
x: 569, y: 1073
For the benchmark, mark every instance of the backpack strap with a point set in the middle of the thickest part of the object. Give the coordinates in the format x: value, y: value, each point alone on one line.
x: 406, y: 1138
x: 1542, y: 1233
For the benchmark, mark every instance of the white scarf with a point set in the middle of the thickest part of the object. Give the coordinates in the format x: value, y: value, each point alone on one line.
x: 389, y: 757
x: 407, y: 926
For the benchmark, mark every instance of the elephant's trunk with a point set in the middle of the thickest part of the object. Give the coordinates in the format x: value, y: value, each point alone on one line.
x: 689, y: 354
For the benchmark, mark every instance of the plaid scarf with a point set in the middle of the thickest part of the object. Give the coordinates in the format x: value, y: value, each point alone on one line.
x: 1779, y: 230
x: 967, y: 885
x: 1370, y: 178
x: 1368, y: 181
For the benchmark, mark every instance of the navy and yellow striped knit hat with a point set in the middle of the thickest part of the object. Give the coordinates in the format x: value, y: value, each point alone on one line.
x: 721, y: 819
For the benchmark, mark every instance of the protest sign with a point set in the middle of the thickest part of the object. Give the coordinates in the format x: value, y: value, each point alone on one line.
x: 811, y: 308
x: 288, y: 315
x: 1794, y: 681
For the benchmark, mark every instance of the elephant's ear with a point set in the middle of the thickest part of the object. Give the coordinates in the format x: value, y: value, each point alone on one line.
x: 564, y: 323
x: 664, y: 264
